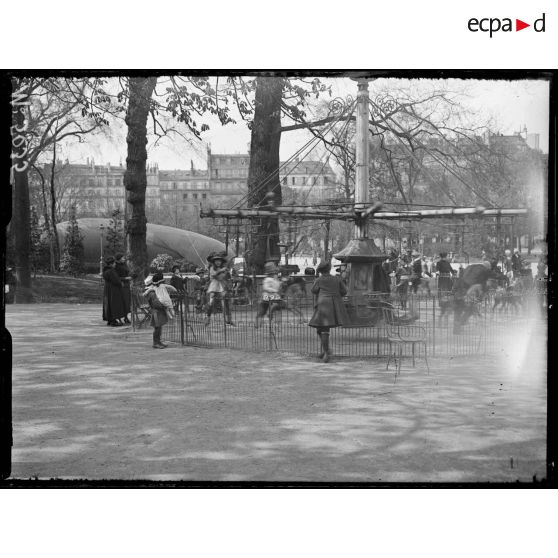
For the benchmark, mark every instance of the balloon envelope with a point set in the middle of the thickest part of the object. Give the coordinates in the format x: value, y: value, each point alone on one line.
x: 177, y: 243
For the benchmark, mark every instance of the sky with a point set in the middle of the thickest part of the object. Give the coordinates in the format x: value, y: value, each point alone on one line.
x: 510, y: 105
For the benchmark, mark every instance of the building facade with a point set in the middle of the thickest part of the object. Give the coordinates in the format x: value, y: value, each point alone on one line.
x: 174, y: 197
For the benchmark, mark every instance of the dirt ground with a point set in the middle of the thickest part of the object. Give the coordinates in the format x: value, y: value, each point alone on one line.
x: 99, y: 403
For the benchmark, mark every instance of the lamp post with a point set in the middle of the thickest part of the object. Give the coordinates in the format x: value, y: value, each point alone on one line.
x: 101, y: 228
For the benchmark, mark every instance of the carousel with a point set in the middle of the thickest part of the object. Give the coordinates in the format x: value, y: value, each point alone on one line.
x: 372, y: 306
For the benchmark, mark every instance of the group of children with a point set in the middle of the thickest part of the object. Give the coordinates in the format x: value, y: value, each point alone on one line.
x: 161, y: 304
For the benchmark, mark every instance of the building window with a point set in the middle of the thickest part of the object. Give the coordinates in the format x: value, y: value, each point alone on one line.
x: 204, y: 196
x: 184, y: 196
x: 217, y: 162
x: 303, y: 180
x: 195, y: 196
x: 216, y: 173
x: 293, y: 180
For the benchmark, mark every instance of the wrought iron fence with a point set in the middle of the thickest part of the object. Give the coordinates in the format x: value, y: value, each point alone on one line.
x: 453, y: 326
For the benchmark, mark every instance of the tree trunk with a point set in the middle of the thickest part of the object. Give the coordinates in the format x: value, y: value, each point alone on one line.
x: 55, y: 244
x: 264, y: 167
x: 22, y: 217
x: 135, y: 178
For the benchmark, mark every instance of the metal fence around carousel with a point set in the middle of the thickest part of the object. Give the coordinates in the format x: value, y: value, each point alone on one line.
x: 494, y: 324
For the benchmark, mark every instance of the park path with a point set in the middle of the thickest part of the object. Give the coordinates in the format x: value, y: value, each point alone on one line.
x: 99, y: 403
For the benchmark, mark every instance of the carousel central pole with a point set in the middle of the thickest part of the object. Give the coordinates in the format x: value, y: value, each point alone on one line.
x: 362, y: 155
x: 361, y: 255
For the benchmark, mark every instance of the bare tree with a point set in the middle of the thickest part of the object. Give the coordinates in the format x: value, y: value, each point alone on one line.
x: 47, y: 110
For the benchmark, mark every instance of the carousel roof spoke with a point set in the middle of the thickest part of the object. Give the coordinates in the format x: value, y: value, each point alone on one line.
x: 371, y: 212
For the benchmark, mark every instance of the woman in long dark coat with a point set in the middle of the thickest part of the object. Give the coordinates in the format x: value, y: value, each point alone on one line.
x: 329, y: 310
x: 125, y: 278
x: 113, y: 301
x: 446, y: 273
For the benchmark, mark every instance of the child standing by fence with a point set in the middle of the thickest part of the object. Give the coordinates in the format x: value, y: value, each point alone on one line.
x: 159, y: 310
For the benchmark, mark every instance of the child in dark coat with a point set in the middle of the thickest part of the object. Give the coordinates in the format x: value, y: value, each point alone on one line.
x: 329, y: 310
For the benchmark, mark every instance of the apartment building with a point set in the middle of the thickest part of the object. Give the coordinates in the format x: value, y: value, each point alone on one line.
x: 97, y: 190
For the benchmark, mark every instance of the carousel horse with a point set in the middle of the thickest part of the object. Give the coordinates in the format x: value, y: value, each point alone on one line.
x: 474, y: 279
x: 509, y: 297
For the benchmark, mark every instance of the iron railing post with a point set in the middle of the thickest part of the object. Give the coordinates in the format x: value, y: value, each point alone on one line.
x: 433, y: 326
x: 181, y: 314
x: 133, y: 308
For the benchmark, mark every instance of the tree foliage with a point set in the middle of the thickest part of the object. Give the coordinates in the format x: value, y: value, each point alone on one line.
x: 162, y: 262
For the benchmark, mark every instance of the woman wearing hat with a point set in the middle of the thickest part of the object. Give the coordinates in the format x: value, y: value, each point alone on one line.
x: 218, y: 276
x: 153, y: 293
x: 329, y: 310
x: 507, y: 264
x: 113, y: 299
x: 125, y: 277
x: 176, y: 279
x: 445, y: 273
x: 416, y: 271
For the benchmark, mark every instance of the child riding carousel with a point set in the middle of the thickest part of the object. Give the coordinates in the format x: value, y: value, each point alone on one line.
x: 219, y: 276
x: 271, y: 293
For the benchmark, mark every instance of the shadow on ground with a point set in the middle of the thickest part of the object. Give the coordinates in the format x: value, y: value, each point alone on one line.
x: 96, y: 402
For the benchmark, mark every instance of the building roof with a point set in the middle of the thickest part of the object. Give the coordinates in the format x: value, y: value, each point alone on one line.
x: 306, y: 167
x: 182, y: 174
